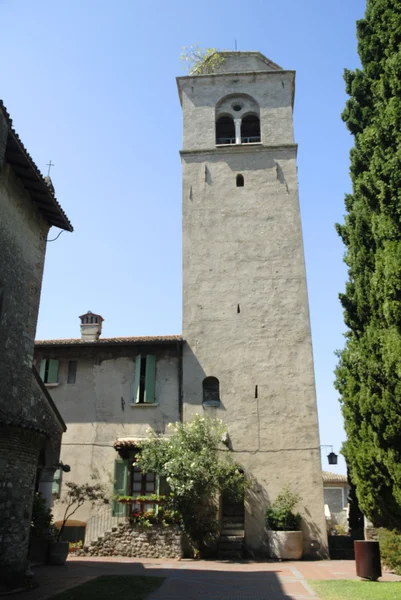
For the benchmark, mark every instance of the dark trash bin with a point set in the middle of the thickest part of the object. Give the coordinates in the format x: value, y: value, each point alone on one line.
x: 367, y: 559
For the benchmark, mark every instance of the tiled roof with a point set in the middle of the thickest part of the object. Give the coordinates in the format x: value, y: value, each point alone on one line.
x: 40, y: 190
x: 127, y: 442
x: 333, y: 477
x: 115, y: 341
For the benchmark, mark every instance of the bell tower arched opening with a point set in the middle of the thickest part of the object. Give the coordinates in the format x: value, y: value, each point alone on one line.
x: 237, y: 120
x: 225, y: 130
x: 250, y: 129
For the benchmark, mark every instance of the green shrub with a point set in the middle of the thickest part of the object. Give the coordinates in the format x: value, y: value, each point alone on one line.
x: 280, y: 516
x: 390, y: 549
x: 42, y: 519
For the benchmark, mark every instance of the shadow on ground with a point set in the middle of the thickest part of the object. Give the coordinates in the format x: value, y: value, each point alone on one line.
x: 184, y: 580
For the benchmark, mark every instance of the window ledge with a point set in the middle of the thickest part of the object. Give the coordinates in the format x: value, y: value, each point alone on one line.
x: 208, y: 403
x: 239, y: 145
x: 143, y: 404
x: 51, y: 385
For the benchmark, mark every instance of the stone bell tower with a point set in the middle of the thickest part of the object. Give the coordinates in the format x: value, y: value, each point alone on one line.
x: 248, y: 351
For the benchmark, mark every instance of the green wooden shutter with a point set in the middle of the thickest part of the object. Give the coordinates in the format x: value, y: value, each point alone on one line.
x: 42, y: 369
x: 52, y: 376
x: 120, y: 486
x: 137, y: 379
x: 150, y: 379
x: 56, y: 482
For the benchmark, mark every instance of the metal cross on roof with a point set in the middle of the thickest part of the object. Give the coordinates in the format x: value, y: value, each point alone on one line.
x: 50, y: 165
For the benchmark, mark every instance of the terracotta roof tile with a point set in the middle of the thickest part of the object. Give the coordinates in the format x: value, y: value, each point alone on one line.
x: 329, y: 477
x: 127, y: 442
x: 114, y: 341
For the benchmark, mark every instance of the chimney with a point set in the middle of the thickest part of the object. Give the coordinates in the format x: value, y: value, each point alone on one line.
x: 91, y: 326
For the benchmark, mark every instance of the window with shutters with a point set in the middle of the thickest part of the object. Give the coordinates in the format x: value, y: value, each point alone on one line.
x: 49, y: 370
x: 145, y: 380
x: 120, y: 486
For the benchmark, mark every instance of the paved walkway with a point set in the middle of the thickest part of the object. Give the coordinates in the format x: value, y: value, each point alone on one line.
x: 200, y: 580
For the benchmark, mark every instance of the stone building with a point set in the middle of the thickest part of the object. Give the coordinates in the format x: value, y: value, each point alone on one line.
x: 246, y: 343
x: 109, y: 391
x: 30, y: 424
x: 245, y: 305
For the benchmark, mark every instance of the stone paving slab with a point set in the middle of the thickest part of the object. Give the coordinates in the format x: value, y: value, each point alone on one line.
x: 198, y: 579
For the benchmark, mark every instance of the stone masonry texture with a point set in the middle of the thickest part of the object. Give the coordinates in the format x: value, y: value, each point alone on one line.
x: 28, y: 427
x: 19, y: 450
x: 245, y: 304
x: 135, y: 541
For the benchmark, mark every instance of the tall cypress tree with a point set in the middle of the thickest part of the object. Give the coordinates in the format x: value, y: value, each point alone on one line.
x: 368, y: 375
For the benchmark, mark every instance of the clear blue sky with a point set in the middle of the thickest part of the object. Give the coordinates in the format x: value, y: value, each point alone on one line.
x: 90, y: 84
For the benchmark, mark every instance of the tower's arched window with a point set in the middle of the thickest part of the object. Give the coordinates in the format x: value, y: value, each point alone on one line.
x: 225, y: 130
x: 211, y: 391
x: 250, y: 129
x: 240, y: 181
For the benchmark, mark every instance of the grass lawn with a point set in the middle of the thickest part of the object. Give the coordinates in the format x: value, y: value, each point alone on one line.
x: 107, y: 587
x: 357, y: 590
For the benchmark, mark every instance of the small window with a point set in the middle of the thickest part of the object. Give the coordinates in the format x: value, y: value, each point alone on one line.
x: 240, y: 181
x: 72, y: 371
x: 143, y: 484
x: 211, y: 391
x: 49, y: 370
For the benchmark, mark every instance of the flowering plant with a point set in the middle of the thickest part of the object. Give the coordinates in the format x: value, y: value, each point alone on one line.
x: 197, y: 467
x: 148, y: 518
x: 155, y: 498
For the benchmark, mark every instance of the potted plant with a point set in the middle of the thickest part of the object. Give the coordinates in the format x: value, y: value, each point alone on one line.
x: 42, y: 530
x: 284, y: 526
x: 75, y: 497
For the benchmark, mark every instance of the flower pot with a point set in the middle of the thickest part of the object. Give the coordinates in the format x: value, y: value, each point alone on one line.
x: 58, y: 552
x: 286, y: 545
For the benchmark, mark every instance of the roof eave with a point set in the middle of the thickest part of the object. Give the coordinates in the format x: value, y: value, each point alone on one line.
x: 48, y: 205
x: 105, y: 342
x: 19, y: 159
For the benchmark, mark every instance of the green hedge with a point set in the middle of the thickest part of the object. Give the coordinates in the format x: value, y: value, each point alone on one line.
x: 390, y: 549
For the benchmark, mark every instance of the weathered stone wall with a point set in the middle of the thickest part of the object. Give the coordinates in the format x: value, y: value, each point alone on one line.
x: 273, y: 92
x: 23, y: 233
x: 245, y: 304
x: 19, y: 451
x: 139, y: 542
x: 27, y: 424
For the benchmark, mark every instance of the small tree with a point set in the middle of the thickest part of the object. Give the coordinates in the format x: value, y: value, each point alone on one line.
x: 368, y: 375
x: 77, y: 495
x: 198, y: 468
x: 201, y: 62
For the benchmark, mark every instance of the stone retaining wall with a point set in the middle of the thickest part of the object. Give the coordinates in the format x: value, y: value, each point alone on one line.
x: 136, y: 541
